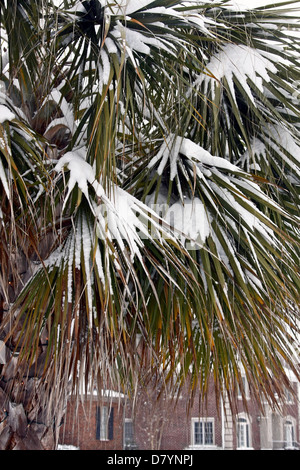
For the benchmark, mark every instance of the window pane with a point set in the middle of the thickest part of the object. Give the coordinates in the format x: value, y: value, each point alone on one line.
x: 289, y: 433
x: 243, y: 433
x: 240, y: 435
x: 209, y: 438
x: 128, y: 431
x: 198, y: 435
x: 104, y: 422
x: 110, y: 424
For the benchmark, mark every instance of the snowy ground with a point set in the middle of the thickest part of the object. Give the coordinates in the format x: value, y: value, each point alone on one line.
x: 66, y: 447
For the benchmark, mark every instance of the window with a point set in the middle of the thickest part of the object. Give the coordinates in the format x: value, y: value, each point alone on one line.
x: 128, y: 434
x: 202, y: 431
x: 288, y: 396
x: 243, y: 433
x: 245, y: 388
x: 104, y: 423
x: 289, y: 434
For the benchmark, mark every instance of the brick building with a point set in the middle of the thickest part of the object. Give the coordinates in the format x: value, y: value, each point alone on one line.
x: 97, y: 423
x: 109, y: 423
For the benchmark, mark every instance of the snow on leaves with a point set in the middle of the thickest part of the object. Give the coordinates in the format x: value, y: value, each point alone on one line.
x: 130, y: 30
x: 237, y: 62
x: 222, y: 192
x: 6, y: 114
x: 118, y: 213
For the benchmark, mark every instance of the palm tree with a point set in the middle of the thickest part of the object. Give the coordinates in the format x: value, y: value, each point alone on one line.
x: 149, y: 202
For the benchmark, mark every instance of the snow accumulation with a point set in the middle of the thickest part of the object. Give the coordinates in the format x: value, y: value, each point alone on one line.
x: 81, y: 172
x: 190, y: 221
x: 128, y: 7
x: 90, y: 389
x: 78, y: 7
x: 285, y: 139
x: 284, y: 143
x: 239, y: 61
x: 3, y: 179
x: 67, y: 447
x: 130, y: 40
x: 65, y: 107
x: 194, y: 151
x: 138, y: 42
x: 6, y: 114
x: 175, y: 145
x: 134, y: 5
x: 281, y: 140
x: 250, y: 219
x: 119, y: 215
x: 258, y: 151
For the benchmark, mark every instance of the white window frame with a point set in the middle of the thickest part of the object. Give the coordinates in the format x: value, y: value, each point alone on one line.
x: 204, y: 444
x: 289, y: 396
x: 243, y: 432
x: 289, y: 432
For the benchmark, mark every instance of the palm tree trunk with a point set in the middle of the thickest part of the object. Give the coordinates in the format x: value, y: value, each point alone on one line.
x: 26, y: 420
x: 25, y: 423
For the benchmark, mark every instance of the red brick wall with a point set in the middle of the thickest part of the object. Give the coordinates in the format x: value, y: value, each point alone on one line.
x: 79, y: 426
x: 162, y: 424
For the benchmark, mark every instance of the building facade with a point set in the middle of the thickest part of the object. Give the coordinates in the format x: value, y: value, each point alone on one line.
x: 110, y: 422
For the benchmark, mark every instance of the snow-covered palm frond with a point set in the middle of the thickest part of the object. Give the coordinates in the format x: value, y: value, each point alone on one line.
x: 248, y: 78
x: 211, y: 188
x: 106, y: 277
x: 117, y: 215
x: 99, y: 34
x: 275, y: 152
x: 236, y: 249
x: 237, y: 64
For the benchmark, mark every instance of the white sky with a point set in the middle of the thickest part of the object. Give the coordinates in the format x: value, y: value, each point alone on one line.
x: 243, y: 3
x: 259, y: 3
